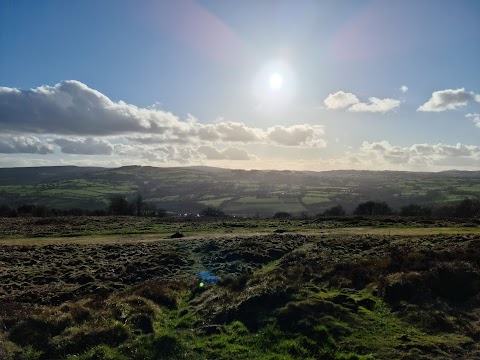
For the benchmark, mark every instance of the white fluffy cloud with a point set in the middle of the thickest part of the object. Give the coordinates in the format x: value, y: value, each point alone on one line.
x: 72, y: 108
x: 426, y: 155
x: 84, y: 146
x: 230, y: 153
x: 238, y: 132
x: 177, y: 154
x: 475, y: 117
x: 449, y: 99
x: 342, y: 100
x: 404, y: 88
x: 297, y: 135
x: 375, y: 105
x: 24, y: 144
x: 172, y: 154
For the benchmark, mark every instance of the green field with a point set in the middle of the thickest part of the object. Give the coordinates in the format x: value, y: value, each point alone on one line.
x: 190, y: 190
x: 252, y: 205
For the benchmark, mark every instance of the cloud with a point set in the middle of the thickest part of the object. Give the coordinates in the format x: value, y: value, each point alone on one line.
x: 297, y: 135
x: 425, y: 155
x: 375, y: 105
x: 340, y: 100
x: 84, y: 146
x: 230, y: 153
x: 72, y: 108
x: 176, y: 154
x: 157, y: 154
x: 404, y: 88
x: 449, y: 99
x: 23, y: 144
x: 475, y: 117
x: 238, y: 132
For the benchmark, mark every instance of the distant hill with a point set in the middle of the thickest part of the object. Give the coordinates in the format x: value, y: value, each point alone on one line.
x: 237, y: 192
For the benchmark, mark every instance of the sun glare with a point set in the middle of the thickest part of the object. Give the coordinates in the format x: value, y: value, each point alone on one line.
x: 274, y: 87
x: 276, y: 81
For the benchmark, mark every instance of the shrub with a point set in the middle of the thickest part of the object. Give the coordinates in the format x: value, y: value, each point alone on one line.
x: 212, y: 212
x: 415, y: 210
x: 373, y: 208
x: 335, y: 211
x: 282, y: 215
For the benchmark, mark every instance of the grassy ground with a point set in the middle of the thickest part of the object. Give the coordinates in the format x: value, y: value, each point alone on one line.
x: 71, y: 227
x: 317, y: 293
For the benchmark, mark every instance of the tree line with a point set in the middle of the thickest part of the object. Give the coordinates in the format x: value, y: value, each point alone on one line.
x: 467, y: 208
x: 117, y: 205
x: 122, y: 206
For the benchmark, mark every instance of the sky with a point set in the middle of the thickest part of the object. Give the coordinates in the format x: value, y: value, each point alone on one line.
x: 295, y: 85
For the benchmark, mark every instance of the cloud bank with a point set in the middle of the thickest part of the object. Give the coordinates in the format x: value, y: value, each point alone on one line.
x: 230, y: 153
x: 72, y: 108
x: 422, y: 154
x: 24, y: 145
x: 82, y: 146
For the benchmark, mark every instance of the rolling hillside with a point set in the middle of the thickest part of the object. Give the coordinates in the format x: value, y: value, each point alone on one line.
x: 236, y: 192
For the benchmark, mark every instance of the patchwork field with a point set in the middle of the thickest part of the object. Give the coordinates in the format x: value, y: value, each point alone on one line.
x: 236, y: 192
x: 328, y: 292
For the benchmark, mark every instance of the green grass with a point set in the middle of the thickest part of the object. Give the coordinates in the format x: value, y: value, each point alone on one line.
x: 71, y: 193
x: 309, y: 200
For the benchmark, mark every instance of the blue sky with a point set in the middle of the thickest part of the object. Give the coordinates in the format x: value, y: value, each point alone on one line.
x: 360, y: 84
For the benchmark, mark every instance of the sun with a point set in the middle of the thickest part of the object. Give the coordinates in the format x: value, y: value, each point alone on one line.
x: 276, y: 81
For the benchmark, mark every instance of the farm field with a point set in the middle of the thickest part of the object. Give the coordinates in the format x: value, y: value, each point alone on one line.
x: 345, y: 289
x: 236, y: 192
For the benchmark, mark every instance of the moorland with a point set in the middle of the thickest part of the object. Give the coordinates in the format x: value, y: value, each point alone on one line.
x: 338, y: 288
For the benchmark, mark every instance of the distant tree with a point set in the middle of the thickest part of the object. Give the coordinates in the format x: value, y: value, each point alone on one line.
x: 139, y: 205
x: 282, y: 215
x: 373, y: 208
x: 335, y: 211
x: 26, y: 209
x: 415, y: 210
x: 444, y: 211
x: 118, y: 205
x: 161, y: 213
x: 41, y: 211
x: 468, y: 208
x: 7, y: 211
x: 212, y: 212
